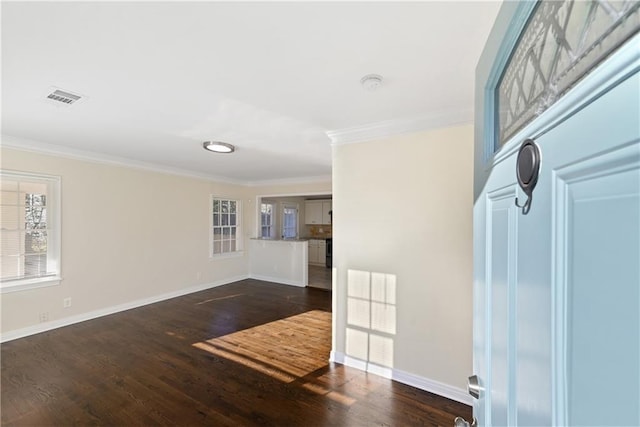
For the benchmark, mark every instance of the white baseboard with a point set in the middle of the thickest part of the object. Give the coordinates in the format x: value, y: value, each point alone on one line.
x: 66, y: 321
x: 436, y: 387
x: 426, y: 384
x: 336, y: 356
x: 277, y: 280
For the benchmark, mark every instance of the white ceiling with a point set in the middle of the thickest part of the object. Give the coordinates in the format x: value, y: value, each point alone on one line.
x: 159, y: 78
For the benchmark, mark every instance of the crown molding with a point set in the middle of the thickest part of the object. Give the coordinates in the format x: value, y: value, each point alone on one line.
x: 23, y: 144
x: 388, y: 128
x: 291, y: 181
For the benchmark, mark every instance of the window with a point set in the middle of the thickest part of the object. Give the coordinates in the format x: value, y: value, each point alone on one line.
x: 562, y: 41
x: 30, y: 223
x: 290, y: 222
x: 267, y: 227
x: 226, y: 231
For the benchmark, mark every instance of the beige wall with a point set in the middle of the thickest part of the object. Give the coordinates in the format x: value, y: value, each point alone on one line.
x: 127, y: 235
x: 403, y: 253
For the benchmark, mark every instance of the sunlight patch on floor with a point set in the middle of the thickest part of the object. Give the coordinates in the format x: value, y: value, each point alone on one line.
x: 218, y: 299
x: 173, y: 334
x: 286, y: 349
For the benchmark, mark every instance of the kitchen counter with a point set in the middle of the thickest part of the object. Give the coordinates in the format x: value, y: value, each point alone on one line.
x: 301, y: 239
x: 282, y: 240
x: 280, y: 260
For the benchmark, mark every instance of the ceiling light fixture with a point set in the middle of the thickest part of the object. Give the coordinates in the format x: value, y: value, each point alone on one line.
x: 219, y: 147
x: 371, y: 82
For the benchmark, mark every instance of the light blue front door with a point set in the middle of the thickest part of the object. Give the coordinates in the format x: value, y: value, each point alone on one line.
x: 557, y: 290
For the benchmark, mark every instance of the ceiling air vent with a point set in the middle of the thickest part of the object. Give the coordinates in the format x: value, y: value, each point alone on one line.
x: 62, y: 96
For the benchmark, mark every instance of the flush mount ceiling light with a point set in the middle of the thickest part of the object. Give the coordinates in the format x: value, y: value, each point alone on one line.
x: 371, y: 82
x: 219, y: 147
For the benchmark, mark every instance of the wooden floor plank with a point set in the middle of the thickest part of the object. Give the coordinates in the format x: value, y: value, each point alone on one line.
x: 249, y: 353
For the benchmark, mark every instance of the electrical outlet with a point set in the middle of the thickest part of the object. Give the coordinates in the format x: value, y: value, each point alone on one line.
x: 44, y: 316
x: 66, y: 303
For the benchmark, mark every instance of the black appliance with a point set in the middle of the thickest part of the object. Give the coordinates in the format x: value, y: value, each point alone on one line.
x: 329, y: 252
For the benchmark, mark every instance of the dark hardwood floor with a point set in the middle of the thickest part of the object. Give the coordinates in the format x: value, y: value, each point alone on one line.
x: 249, y: 353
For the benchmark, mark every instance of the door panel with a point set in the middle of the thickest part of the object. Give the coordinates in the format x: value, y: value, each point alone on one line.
x: 603, y: 301
x: 502, y: 232
x: 598, y: 281
x: 596, y: 254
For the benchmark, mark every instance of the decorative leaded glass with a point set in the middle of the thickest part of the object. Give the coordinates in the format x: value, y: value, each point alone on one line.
x: 562, y: 41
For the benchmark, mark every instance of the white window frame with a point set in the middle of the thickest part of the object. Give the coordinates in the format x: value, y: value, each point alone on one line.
x: 238, y: 250
x: 272, y: 226
x: 54, y: 228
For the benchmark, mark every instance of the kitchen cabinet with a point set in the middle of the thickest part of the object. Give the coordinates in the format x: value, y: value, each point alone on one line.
x: 317, y: 251
x: 316, y: 212
x: 322, y: 252
x: 326, y: 211
x: 313, y: 212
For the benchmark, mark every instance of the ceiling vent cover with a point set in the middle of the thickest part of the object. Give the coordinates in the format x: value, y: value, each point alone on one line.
x: 62, y: 96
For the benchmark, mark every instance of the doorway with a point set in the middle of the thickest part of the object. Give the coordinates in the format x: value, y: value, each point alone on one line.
x: 556, y: 229
x: 303, y: 216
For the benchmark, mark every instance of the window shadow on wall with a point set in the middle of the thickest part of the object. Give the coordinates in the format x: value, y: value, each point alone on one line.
x: 371, y: 319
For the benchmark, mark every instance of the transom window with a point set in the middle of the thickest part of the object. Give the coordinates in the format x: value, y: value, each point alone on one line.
x: 561, y: 42
x: 225, y: 226
x: 30, y: 222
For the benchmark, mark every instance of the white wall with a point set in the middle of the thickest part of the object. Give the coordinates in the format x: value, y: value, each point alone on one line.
x: 279, y: 261
x: 403, y: 256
